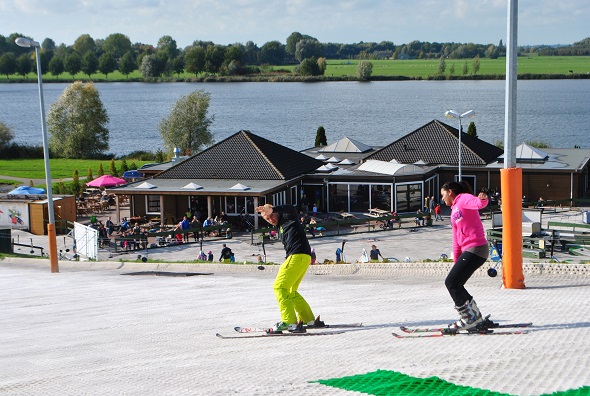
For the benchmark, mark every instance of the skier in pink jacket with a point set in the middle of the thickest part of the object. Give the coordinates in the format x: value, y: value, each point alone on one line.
x: 470, y: 249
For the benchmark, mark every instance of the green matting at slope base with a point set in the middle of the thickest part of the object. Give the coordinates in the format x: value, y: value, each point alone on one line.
x: 385, y: 382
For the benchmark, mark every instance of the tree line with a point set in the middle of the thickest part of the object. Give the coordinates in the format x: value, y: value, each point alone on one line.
x: 117, y: 53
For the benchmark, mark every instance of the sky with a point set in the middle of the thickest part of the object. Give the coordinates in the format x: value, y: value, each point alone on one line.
x: 260, y: 21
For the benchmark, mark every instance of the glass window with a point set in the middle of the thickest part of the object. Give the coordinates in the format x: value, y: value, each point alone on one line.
x: 338, y: 195
x: 381, y: 197
x: 408, y: 197
x: 359, y: 197
x: 152, y: 204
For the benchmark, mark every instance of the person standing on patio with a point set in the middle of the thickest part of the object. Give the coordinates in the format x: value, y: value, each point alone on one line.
x: 295, y: 311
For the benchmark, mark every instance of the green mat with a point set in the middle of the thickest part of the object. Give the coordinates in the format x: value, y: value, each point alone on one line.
x: 384, y: 382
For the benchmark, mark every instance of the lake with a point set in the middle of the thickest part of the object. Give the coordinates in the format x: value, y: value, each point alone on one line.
x: 556, y: 112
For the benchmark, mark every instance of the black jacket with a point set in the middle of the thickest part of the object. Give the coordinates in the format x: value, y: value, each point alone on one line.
x: 291, y: 230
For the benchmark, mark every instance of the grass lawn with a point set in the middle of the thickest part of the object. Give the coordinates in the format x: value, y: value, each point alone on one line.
x: 423, y: 68
x: 60, y: 168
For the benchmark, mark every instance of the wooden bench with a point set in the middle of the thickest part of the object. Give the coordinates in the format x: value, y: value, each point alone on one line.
x: 582, y: 239
x: 563, y: 226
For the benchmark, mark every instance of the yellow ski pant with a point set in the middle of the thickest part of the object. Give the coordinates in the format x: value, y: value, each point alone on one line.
x: 291, y: 303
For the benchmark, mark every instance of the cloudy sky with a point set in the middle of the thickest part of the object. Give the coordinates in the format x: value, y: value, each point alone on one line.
x: 260, y: 21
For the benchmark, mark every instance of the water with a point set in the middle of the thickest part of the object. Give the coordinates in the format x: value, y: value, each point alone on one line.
x: 556, y: 112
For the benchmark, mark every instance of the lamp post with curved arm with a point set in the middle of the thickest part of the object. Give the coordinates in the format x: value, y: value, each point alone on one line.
x: 455, y: 114
x: 27, y: 43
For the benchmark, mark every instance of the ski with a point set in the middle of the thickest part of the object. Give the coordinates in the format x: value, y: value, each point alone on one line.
x: 447, y: 334
x: 286, y: 334
x: 263, y: 330
x: 487, y: 324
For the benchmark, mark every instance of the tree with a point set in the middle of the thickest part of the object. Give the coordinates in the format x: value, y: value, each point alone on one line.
x: 150, y: 66
x: 77, y: 123
x: 476, y: 64
x: 73, y: 64
x: 322, y: 65
x: 442, y: 65
x: 159, y: 156
x: 124, y: 166
x: 465, y: 68
x: 472, y: 130
x: 7, y: 64
x: 117, y: 44
x: 292, y: 41
x: 89, y: 176
x: 76, y: 187
x: 194, y: 60
x: 364, y: 70
x: 272, y: 53
x: 100, y: 171
x: 309, y: 67
x: 126, y: 64
x: 83, y: 44
x: 452, y: 69
x: 320, y: 137
x: 56, y: 66
x: 167, y: 48
x: 6, y: 135
x: 307, y: 48
x: 89, y: 63
x: 187, y: 125
x: 24, y: 64
x: 214, y: 58
x: 107, y: 64
x: 113, y: 168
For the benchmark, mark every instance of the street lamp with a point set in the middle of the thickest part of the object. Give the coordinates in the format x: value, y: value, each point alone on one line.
x: 454, y: 114
x: 27, y: 43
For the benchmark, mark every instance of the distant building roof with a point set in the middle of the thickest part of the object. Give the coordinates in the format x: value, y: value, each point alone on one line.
x: 437, y: 143
x: 246, y: 156
x: 345, y: 145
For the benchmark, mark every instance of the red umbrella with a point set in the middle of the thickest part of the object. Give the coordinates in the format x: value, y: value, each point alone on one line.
x: 106, y: 181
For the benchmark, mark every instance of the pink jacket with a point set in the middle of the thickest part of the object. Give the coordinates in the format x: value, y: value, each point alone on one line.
x: 468, y: 229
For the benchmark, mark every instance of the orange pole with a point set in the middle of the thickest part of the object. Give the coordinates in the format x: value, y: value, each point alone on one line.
x: 52, y: 247
x: 511, y: 184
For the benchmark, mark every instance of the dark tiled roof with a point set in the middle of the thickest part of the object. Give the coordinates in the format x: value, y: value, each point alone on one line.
x: 244, y: 155
x: 437, y: 143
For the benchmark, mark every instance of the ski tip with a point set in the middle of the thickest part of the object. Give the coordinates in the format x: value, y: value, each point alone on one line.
x: 403, y: 328
x: 219, y: 335
x: 238, y: 329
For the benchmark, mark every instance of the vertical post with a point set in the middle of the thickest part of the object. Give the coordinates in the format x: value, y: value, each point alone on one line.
x: 511, y: 176
x: 51, y: 234
x: 460, y: 148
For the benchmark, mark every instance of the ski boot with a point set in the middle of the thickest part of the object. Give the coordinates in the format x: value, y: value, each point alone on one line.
x: 297, y: 328
x: 315, y: 324
x: 470, y: 318
x: 279, y: 327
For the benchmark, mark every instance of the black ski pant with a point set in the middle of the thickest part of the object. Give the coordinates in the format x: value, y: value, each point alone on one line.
x: 464, y: 267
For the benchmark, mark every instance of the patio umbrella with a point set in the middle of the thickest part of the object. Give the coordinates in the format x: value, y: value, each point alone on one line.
x: 106, y: 181
x: 26, y: 190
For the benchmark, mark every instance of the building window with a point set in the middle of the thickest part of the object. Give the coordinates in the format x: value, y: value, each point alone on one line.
x: 408, y: 197
x: 152, y: 204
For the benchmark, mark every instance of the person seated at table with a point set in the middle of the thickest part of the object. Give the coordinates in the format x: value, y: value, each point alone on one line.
x: 136, y: 229
x: 109, y: 225
x: 124, y: 226
x: 394, y: 219
x: 419, y: 220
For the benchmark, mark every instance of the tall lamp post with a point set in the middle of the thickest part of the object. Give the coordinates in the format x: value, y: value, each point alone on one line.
x: 455, y: 114
x: 25, y: 42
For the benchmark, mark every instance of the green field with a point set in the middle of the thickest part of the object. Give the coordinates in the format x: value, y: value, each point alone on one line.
x: 415, y: 68
x: 60, y: 168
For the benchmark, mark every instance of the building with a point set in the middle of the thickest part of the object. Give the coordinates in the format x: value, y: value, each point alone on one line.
x: 246, y: 170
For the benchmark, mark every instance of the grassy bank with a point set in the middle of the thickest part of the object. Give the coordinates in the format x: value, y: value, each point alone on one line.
x: 60, y: 168
x: 529, y: 67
